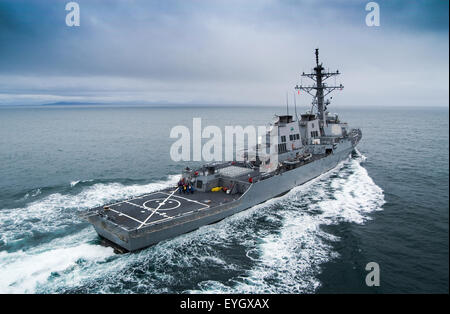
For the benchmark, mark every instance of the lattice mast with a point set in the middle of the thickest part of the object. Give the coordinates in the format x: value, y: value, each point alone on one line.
x: 321, y: 89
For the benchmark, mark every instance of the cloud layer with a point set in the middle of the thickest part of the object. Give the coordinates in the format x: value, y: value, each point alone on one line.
x: 221, y: 52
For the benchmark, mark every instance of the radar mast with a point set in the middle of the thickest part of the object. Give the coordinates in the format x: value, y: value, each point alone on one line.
x: 321, y: 89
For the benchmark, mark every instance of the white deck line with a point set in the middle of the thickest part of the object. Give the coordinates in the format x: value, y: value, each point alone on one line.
x: 146, y: 208
x: 142, y: 223
x: 128, y: 202
x: 156, y: 209
x: 122, y: 214
x: 136, y: 198
x: 184, y: 198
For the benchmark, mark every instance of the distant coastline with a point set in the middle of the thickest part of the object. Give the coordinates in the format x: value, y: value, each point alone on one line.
x: 69, y: 103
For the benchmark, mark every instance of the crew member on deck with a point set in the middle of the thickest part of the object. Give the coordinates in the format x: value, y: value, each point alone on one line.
x: 180, y: 186
x: 190, y: 189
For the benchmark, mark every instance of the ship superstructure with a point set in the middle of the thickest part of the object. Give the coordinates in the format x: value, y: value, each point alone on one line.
x: 294, y: 151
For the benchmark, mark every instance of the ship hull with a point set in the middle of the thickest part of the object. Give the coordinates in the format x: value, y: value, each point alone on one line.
x: 257, y: 193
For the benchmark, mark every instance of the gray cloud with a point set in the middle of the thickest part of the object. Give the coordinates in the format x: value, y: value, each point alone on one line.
x: 218, y: 52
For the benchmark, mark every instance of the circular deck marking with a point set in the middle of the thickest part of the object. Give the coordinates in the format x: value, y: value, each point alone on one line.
x: 168, y: 205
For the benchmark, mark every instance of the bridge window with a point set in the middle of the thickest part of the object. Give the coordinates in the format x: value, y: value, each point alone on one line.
x: 282, y: 148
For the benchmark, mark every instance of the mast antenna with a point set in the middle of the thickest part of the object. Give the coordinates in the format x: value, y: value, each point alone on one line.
x: 317, y: 56
x: 319, y: 89
x: 287, y: 103
x: 295, y: 105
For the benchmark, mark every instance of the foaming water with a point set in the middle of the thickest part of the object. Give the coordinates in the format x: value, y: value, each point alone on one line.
x: 25, y: 271
x: 58, y: 211
x: 46, y: 239
x: 310, y: 240
x: 288, y: 260
x: 275, y: 247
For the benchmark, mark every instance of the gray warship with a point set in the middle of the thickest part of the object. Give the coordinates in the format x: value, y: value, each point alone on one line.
x: 304, y: 147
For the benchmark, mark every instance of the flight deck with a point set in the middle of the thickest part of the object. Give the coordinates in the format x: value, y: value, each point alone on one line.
x: 159, y: 207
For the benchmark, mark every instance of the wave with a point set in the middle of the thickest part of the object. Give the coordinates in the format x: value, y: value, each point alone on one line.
x: 25, y: 271
x: 59, y: 211
x: 74, y: 183
x: 32, y: 193
x: 46, y: 238
x: 275, y: 247
x: 289, y: 260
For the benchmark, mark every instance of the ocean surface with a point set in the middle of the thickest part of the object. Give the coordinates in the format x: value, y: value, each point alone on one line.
x: 388, y: 204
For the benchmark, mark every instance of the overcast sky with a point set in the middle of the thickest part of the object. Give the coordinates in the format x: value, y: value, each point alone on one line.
x: 222, y: 52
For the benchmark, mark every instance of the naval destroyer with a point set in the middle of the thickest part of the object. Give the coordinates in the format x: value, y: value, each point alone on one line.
x: 300, y: 149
